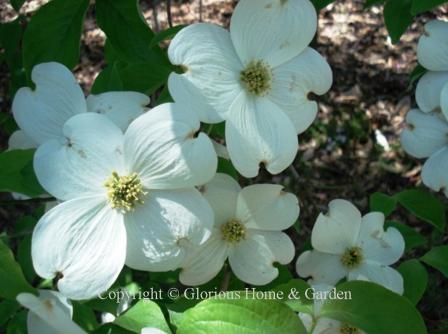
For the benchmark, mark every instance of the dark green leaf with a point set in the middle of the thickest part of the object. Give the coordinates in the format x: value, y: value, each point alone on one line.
x: 12, y: 281
x: 24, y: 258
x: 369, y: 3
x: 225, y: 166
x: 108, y: 80
x: 411, y: 237
x: 320, y: 4
x: 7, y: 309
x: 420, y: 6
x: 382, y: 203
x: 17, y: 325
x: 437, y: 258
x: 166, y: 34
x: 236, y: 316
x: 374, y: 309
x: 397, y: 16
x: 303, y: 304
x: 145, y: 313
x: 17, y: 4
x: 423, y: 205
x: 54, y: 33
x: 84, y: 316
x: 415, y: 280
x: 417, y: 73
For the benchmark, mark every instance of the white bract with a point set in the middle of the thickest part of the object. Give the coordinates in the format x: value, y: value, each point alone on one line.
x: 152, y: 330
x: 257, y: 78
x: 247, y: 231
x: 348, y: 245
x: 50, y: 313
x: 42, y: 112
x: 316, y: 324
x: 426, y: 135
x: 130, y: 198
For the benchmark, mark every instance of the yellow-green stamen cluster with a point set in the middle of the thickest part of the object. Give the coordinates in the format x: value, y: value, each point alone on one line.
x: 124, y: 191
x: 257, y: 77
x: 349, y: 329
x: 233, y: 231
x: 352, y: 257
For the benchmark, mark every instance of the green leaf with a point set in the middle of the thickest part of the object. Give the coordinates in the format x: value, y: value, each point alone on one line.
x: 382, y: 203
x: 24, y: 258
x: 415, y: 280
x: 225, y: 166
x: 320, y: 4
x: 54, y: 33
x: 127, y: 31
x: 420, y: 6
x: 374, y: 309
x: 18, y: 325
x: 7, y: 309
x: 12, y: 281
x: 15, y: 173
x: 108, y: 80
x: 397, y: 16
x: 423, y: 205
x: 239, y: 315
x: 84, y: 316
x: 145, y: 313
x: 166, y: 34
x: 417, y: 73
x: 17, y: 4
x: 438, y: 259
x: 411, y: 237
x: 303, y: 304
x: 369, y: 3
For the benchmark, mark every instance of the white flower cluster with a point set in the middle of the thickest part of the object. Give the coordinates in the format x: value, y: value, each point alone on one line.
x: 138, y: 187
x: 427, y: 133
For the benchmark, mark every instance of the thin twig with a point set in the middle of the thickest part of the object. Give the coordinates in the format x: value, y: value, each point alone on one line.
x: 168, y: 13
x: 200, y: 10
x: 226, y: 280
x: 155, y: 15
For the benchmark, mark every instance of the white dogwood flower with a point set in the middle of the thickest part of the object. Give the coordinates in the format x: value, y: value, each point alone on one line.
x: 50, y: 313
x: 316, y: 324
x: 426, y: 136
x: 257, y: 78
x: 247, y: 231
x: 432, y: 53
x: 41, y: 113
x: 130, y: 198
x: 348, y: 245
x: 152, y: 330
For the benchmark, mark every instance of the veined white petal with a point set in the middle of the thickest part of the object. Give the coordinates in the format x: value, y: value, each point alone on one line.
x: 327, y: 326
x: 81, y: 163
x: 272, y: 30
x: 429, y: 89
x: 222, y: 194
x: 42, y: 113
x: 50, y: 313
x: 121, y: 107
x: 252, y: 260
x: 83, y: 243
x: 294, y: 80
x: 160, y: 229
x: 321, y: 267
x: 337, y: 230
x: 257, y: 131
x: 20, y: 141
x: 432, y: 49
x: 221, y: 150
x: 434, y: 172
x: 151, y: 330
x: 212, y: 67
x: 427, y: 133
x: 385, y: 247
x: 380, y: 274
x: 267, y: 207
x: 204, y: 262
x: 444, y: 100
x: 162, y: 147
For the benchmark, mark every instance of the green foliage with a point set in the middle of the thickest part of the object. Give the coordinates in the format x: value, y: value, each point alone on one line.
x: 382, y: 203
x: 415, y: 279
x: 84, y: 316
x: 420, y: 6
x: 17, y: 4
x: 438, y: 259
x: 16, y: 174
x: 303, y: 304
x: 12, y: 281
x: 238, y: 316
x: 166, y: 34
x: 54, y: 33
x: 7, y: 310
x: 397, y: 16
x: 374, y: 309
x: 17, y: 325
x: 320, y: 4
x: 145, y: 313
x: 411, y: 237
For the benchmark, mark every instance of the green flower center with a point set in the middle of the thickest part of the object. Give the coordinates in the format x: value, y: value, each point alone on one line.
x: 257, y: 77
x: 233, y: 231
x: 352, y: 257
x: 124, y: 192
x: 348, y: 329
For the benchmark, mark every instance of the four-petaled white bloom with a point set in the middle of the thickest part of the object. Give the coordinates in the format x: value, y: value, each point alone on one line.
x: 348, y: 245
x: 257, y: 78
x: 50, y: 313
x: 130, y: 198
x: 427, y: 133
x: 316, y: 324
x: 41, y: 113
x: 247, y: 231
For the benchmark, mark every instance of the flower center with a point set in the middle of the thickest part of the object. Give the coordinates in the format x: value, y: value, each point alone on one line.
x: 348, y: 329
x: 124, y: 192
x: 233, y: 231
x: 352, y: 257
x: 257, y: 77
